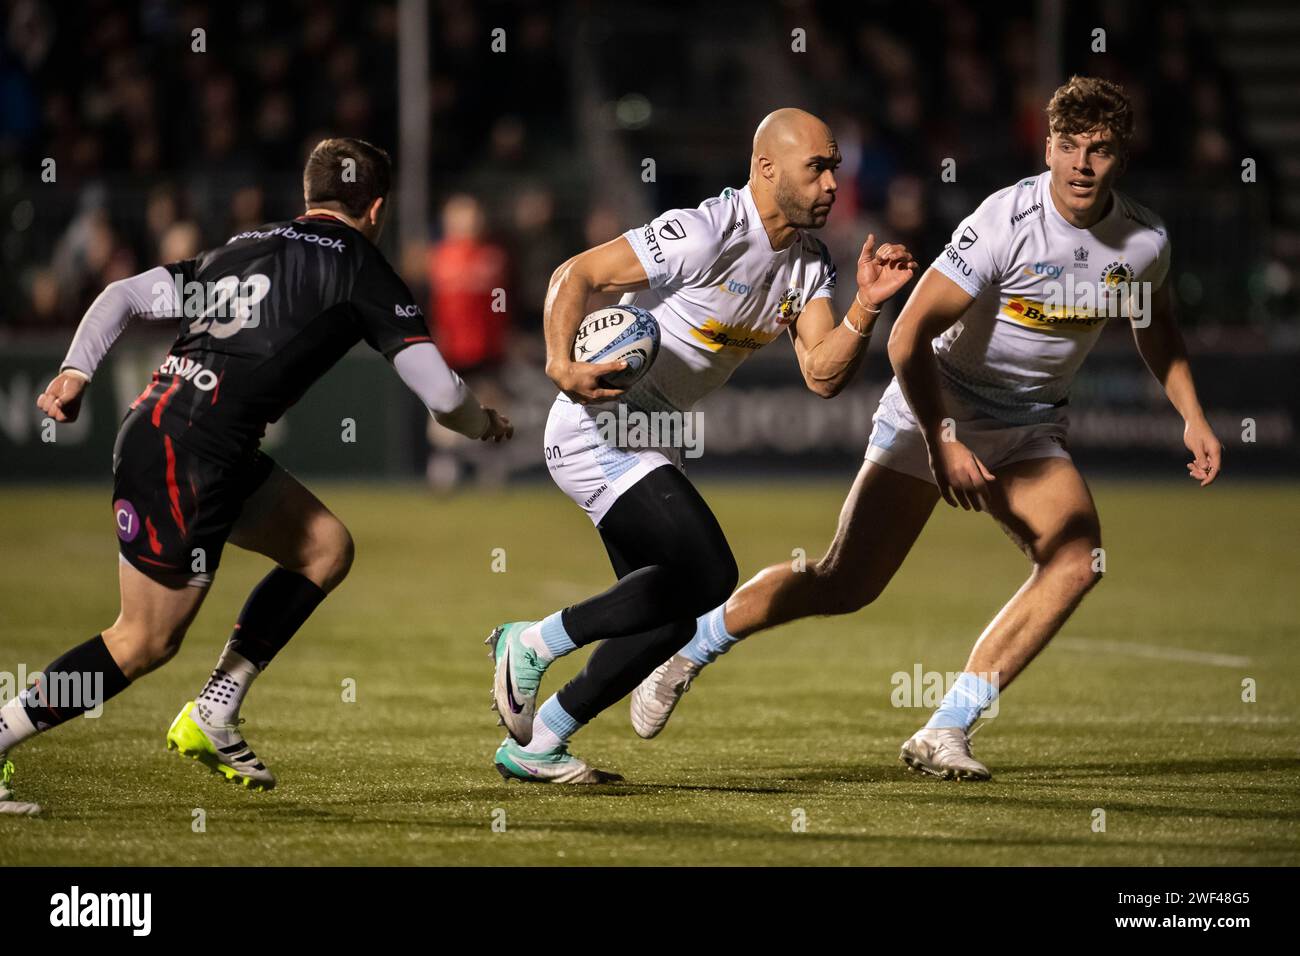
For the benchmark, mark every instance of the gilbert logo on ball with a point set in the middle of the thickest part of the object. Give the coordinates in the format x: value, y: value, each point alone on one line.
x: 128, y: 522
x: 623, y: 333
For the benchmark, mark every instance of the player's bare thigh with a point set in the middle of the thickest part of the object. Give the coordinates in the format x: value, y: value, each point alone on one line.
x: 881, y: 519
x: 288, y: 524
x: 1045, y: 507
x: 153, y: 620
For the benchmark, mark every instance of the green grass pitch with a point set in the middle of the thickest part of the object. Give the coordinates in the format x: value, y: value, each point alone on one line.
x: 1137, y: 709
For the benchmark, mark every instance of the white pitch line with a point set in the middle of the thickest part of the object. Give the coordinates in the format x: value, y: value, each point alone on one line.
x: 1154, y: 651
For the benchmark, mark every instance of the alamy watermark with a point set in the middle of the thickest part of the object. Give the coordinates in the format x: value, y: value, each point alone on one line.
x: 1086, y: 303
x: 632, y: 428
x: 927, y: 689
x: 75, y: 690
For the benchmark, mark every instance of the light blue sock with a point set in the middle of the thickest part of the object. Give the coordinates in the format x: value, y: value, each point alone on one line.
x: 557, y: 719
x: 965, y: 701
x: 711, y: 638
x: 556, y: 637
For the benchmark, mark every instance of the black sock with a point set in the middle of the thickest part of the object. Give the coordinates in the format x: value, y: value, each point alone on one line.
x: 79, y: 681
x: 278, y: 606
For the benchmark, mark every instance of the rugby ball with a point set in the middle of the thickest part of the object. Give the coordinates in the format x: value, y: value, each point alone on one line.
x: 620, y: 333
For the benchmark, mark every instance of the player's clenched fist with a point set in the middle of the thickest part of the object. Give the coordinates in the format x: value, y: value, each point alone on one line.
x: 961, y: 477
x: 499, y: 428
x: 882, y: 271
x: 61, y: 399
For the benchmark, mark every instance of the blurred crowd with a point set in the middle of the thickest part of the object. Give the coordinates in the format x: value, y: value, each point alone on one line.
x: 950, y: 83
x: 166, y: 140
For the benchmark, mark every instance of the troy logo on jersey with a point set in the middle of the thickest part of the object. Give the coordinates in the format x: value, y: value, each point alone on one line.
x: 190, y: 370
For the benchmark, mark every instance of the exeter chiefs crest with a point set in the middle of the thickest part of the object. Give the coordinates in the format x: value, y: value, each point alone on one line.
x: 1118, y: 273
x: 790, y: 306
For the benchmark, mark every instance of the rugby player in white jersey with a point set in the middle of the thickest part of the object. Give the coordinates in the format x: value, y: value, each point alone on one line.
x: 976, y: 417
x: 722, y: 281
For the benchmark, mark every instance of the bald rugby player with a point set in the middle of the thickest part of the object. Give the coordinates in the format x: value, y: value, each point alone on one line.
x: 722, y: 280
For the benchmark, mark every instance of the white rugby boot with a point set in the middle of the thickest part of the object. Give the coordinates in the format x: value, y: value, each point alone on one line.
x: 655, y: 697
x: 943, y: 752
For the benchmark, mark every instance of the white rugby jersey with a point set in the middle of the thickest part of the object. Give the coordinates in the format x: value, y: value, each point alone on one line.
x: 719, y: 292
x: 1010, y: 356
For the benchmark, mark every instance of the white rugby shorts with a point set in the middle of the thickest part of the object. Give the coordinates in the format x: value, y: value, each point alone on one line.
x: 896, y: 440
x: 587, y: 469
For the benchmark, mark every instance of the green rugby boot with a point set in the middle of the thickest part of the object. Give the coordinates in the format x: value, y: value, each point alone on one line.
x: 519, y: 671
x: 8, y: 805
x: 219, y: 747
x: 556, y: 765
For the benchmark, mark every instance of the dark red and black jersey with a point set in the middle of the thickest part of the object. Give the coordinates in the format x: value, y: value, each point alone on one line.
x: 265, y: 316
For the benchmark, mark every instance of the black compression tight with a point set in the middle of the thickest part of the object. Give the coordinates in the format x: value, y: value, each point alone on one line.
x: 673, y: 564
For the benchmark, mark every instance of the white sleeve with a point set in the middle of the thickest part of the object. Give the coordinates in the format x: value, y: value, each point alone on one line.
x: 444, y: 394
x: 676, y: 246
x: 972, y: 258
x: 826, y: 284
x: 1159, y: 269
x: 150, y: 294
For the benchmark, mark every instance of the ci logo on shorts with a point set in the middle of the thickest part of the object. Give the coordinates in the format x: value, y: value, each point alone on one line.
x: 127, y: 521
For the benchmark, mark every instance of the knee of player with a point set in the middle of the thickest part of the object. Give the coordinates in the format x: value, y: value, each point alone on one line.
x: 711, y: 583
x: 1079, y: 567
x: 335, y: 553
x: 139, y: 648
x: 725, y: 578
x: 839, y: 590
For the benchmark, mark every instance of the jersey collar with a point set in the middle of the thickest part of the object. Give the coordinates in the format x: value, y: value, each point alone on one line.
x: 1055, y: 213
x: 323, y: 217
x: 751, y: 207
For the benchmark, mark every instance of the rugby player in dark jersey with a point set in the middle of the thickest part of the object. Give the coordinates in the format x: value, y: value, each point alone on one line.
x: 261, y: 319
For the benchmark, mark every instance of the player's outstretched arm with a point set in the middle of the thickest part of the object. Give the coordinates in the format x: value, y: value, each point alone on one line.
x: 150, y: 294
x: 447, y: 397
x: 1161, y: 346
x: 935, y: 304
x: 611, y: 267
x: 829, y: 353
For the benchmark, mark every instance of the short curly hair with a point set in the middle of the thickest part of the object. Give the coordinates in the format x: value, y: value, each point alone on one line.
x: 1087, y: 104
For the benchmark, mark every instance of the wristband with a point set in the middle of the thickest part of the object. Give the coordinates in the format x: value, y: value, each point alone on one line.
x: 855, y: 330
x: 863, y: 307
